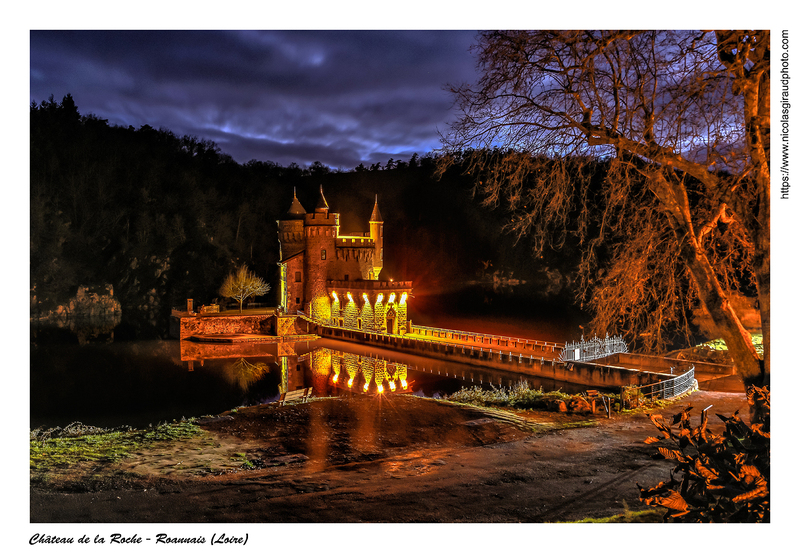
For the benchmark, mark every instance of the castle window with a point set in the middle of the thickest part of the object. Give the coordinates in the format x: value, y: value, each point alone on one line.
x: 297, y: 301
x: 298, y: 276
x: 324, y: 254
x: 347, y: 277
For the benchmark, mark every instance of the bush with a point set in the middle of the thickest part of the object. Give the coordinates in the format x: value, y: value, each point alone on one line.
x: 519, y: 396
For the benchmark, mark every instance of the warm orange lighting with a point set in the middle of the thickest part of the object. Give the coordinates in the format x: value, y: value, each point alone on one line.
x: 366, y: 386
x: 391, y: 297
x: 335, y: 378
x: 392, y: 385
x: 403, y: 298
x: 380, y: 388
x: 404, y: 384
x: 349, y: 296
x: 366, y: 298
x: 380, y: 298
x: 350, y: 383
x: 335, y: 297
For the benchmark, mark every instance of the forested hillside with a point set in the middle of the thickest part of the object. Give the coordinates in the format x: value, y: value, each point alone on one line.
x: 163, y: 218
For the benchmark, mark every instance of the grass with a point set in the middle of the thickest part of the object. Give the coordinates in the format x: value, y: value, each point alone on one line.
x: 719, y: 344
x: 628, y: 516
x: 64, y: 447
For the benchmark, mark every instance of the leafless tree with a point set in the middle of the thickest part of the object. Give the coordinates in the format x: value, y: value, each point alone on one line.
x: 680, y: 122
x: 243, y: 284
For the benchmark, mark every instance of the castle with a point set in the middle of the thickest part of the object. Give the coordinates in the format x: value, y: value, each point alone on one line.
x: 334, y: 278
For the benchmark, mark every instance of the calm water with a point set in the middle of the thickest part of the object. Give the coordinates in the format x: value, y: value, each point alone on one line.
x: 142, y: 382
x: 100, y: 374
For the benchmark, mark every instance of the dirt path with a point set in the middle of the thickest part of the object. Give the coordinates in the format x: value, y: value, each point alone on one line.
x: 403, y: 460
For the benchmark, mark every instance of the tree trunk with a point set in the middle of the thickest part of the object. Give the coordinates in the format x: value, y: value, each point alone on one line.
x: 713, y: 297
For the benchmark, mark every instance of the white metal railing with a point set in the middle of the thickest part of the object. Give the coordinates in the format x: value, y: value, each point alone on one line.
x: 595, y: 348
x: 665, y: 389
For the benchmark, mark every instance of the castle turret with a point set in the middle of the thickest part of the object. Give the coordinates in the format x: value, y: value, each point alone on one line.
x: 290, y: 230
x: 376, y: 235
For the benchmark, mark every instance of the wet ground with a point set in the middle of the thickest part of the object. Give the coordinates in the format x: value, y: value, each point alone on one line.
x: 398, y: 459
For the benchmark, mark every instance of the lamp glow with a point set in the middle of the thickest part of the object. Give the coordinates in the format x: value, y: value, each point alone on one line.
x: 403, y: 298
x: 350, y: 296
x: 380, y: 298
x: 404, y: 384
x: 391, y: 297
x: 335, y: 297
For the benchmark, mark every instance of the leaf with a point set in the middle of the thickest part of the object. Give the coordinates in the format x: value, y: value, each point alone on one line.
x: 674, y: 454
x: 659, y: 423
x: 673, y: 501
x: 653, y: 439
x: 704, y: 471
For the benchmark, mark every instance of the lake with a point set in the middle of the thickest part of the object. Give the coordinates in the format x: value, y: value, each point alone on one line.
x: 144, y: 382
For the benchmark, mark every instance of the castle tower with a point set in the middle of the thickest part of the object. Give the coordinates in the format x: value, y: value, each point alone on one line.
x: 376, y: 235
x: 321, y: 230
x: 292, y: 241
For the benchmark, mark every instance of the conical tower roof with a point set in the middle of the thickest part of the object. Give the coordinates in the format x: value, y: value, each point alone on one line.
x: 376, y: 213
x: 322, y: 204
x: 296, y: 211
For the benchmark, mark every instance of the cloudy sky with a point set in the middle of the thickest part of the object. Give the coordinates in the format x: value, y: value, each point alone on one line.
x: 339, y: 97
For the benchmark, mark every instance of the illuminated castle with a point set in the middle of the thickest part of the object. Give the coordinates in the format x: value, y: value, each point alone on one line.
x: 333, y: 278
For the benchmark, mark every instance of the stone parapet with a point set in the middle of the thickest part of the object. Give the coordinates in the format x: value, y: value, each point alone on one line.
x: 367, y: 285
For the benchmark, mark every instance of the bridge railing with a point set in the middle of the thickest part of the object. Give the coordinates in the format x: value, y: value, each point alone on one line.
x: 665, y: 389
x: 483, y: 338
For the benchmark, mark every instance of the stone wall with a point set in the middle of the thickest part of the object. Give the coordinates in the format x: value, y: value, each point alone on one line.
x: 225, y: 324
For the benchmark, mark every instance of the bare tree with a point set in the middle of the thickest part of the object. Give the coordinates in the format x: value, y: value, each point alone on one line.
x: 243, y: 284
x: 680, y: 123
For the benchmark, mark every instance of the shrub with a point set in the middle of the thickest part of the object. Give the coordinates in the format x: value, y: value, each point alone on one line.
x: 725, y: 477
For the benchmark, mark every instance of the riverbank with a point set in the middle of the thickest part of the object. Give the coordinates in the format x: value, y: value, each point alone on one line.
x: 368, y: 459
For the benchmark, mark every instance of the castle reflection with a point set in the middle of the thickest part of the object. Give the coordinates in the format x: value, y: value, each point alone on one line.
x: 335, y: 371
x: 264, y: 371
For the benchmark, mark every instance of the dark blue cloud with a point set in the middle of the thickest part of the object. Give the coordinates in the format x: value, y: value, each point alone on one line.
x: 339, y: 97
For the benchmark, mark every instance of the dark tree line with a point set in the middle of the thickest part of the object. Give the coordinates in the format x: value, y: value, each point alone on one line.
x: 163, y: 217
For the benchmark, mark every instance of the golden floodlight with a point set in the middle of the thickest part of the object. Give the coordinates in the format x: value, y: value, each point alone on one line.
x: 350, y: 383
x: 380, y: 298
x: 366, y: 297
x: 404, y: 384
x: 380, y: 388
x: 391, y: 297
x: 403, y: 298
x: 366, y: 385
x: 350, y: 296
x: 335, y: 378
x: 392, y: 385
x: 335, y: 297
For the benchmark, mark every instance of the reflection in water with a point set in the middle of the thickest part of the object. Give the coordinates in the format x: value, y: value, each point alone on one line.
x: 146, y: 382
x: 243, y: 373
x: 362, y: 373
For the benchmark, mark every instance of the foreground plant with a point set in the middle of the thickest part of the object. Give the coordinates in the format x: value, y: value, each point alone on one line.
x: 519, y: 396
x: 725, y: 477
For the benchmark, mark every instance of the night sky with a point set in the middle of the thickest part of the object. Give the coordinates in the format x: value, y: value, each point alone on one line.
x: 338, y: 97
